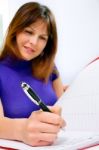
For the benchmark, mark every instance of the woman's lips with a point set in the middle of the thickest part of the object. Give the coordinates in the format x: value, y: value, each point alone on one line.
x: 29, y: 50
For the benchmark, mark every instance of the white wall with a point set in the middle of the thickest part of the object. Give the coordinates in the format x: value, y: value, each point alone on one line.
x: 4, y: 11
x: 3, y: 18
x: 78, y: 30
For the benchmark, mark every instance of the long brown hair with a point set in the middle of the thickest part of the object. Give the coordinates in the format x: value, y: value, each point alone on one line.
x: 26, y: 15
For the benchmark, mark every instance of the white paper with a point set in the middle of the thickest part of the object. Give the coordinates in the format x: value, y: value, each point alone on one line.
x: 67, y: 141
x: 80, y: 103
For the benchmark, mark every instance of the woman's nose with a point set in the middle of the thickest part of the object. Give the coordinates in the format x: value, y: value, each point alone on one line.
x: 33, y: 40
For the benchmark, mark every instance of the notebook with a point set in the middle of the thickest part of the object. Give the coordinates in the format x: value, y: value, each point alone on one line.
x: 80, y: 109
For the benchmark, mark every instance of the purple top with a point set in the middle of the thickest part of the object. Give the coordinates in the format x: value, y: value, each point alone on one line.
x: 15, y: 102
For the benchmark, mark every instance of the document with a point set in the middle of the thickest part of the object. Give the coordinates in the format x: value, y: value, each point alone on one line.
x: 80, y: 103
x: 80, y: 109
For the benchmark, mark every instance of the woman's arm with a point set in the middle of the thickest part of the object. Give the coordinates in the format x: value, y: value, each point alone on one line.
x: 1, y: 110
x: 9, y: 128
x: 59, y: 87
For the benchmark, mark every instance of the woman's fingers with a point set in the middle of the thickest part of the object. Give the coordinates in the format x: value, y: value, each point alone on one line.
x: 41, y: 143
x: 65, y: 87
x: 44, y: 119
x: 48, y: 128
x: 48, y: 137
x: 47, y: 117
x: 56, y: 109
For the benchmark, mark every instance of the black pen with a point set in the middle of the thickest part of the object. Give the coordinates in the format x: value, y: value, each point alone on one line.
x: 34, y: 97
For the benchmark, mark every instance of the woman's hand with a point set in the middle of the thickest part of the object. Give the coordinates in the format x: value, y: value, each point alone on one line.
x: 65, y: 87
x: 41, y: 128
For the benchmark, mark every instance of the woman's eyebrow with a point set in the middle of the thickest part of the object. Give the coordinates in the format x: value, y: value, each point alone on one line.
x: 44, y: 34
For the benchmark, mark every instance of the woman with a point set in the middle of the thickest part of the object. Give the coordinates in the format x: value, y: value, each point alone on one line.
x: 28, y: 55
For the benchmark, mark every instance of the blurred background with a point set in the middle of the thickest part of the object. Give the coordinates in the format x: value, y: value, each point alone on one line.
x: 78, y: 31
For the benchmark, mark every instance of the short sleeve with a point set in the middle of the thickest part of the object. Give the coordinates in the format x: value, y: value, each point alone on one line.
x: 55, y: 74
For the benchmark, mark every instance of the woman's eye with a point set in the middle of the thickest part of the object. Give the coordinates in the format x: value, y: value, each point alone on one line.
x: 27, y: 31
x: 43, y: 38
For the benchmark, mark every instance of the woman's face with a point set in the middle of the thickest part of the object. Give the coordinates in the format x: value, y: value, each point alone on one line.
x: 32, y: 40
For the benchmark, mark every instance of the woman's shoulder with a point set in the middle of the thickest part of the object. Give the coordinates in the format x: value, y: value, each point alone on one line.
x: 3, y: 68
x: 55, y: 73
